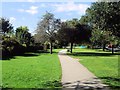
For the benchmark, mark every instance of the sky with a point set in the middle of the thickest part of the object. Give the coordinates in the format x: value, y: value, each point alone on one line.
x: 29, y: 13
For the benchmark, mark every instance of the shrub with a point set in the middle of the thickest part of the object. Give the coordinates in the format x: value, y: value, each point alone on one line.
x: 11, y: 47
x: 34, y: 48
x: 5, y: 53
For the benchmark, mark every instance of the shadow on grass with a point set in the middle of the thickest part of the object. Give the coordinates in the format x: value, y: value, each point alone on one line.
x: 27, y: 54
x: 92, y: 54
x: 113, y: 82
x: 55, y: 52
x: 53, y: 84
x: 7, y: 58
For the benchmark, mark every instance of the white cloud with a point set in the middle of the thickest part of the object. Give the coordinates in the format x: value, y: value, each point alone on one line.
x: 32, y: 10
x: 21, y: 10
x: 30, y: 0
x: 71, y: 6
x: 12, y: 20
x: 63, y: 20
x: 52, y: 0
x: 25, y: 1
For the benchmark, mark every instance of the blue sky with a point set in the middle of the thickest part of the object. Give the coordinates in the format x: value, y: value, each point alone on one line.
x: 30, y: 12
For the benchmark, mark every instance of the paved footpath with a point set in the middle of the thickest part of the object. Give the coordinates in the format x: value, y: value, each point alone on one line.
x: 76, y: 76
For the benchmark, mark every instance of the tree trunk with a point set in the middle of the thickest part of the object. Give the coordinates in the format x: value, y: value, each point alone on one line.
x: 71, y: 46
x: 112, y: 49
x: 45, y: 47
x: 50, y: 47
x: 103, y: 46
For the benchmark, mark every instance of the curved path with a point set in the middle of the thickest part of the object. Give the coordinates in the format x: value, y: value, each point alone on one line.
x: 76, y: 76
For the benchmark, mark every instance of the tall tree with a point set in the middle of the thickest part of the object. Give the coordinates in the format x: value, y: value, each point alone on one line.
x: 104, y: 17
x: 47, y: 28
x: 100, y: 38
x: 5, y: 26
x: 74, y: 32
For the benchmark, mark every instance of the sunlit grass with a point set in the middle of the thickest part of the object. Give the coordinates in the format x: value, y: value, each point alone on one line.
x: 103, y: 64
x: 34, y: 71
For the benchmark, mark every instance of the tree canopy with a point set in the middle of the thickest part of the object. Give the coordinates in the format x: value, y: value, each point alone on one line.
x: 22, y: 35
x: 5, y: 26
x: 47, y: 28
x: 74, y: 32
x: 105, y: 16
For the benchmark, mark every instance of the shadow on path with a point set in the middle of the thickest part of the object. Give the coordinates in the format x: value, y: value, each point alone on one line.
x: 85, y: 85
x: 76, y: 77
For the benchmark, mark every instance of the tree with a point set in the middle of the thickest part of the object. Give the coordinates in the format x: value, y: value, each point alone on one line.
x: 101, y: 38
x: 47, y: 28
x: 84, y: 20
x: 5, y: 26
x: 74, y: 32
x: 22, y: 35
x: 104, y: 18
x: 69, y: 35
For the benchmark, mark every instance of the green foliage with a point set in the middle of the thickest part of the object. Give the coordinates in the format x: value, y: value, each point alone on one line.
x: 72, y: 23
x: 32, y: 70
x: 105, y: 16
x: 23, y: 36
x: 100, y: 37
x: 14, y: 43
x: 74, y: 32
x: 84, y: 20
x: 5, y: 26
x: 5, y: 53
x: 11, y: 47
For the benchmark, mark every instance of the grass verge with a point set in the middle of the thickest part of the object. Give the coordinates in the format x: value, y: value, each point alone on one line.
x: 33, y: 70
x: 103, y: 64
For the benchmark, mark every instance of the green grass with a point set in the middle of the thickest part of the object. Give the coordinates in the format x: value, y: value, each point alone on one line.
x: 57, y: 50
x: 103, y: 64
x: 33, y: 70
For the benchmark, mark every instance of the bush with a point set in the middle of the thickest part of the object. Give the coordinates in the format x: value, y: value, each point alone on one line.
x: 18, y: 49
x: 5, y: 53
x: 11, y: 47
x: 34, y: 48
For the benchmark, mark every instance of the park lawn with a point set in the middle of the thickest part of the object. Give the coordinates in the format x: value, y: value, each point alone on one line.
x: 33, y: 70
x: 103, y: 64
x: 57, y: 50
